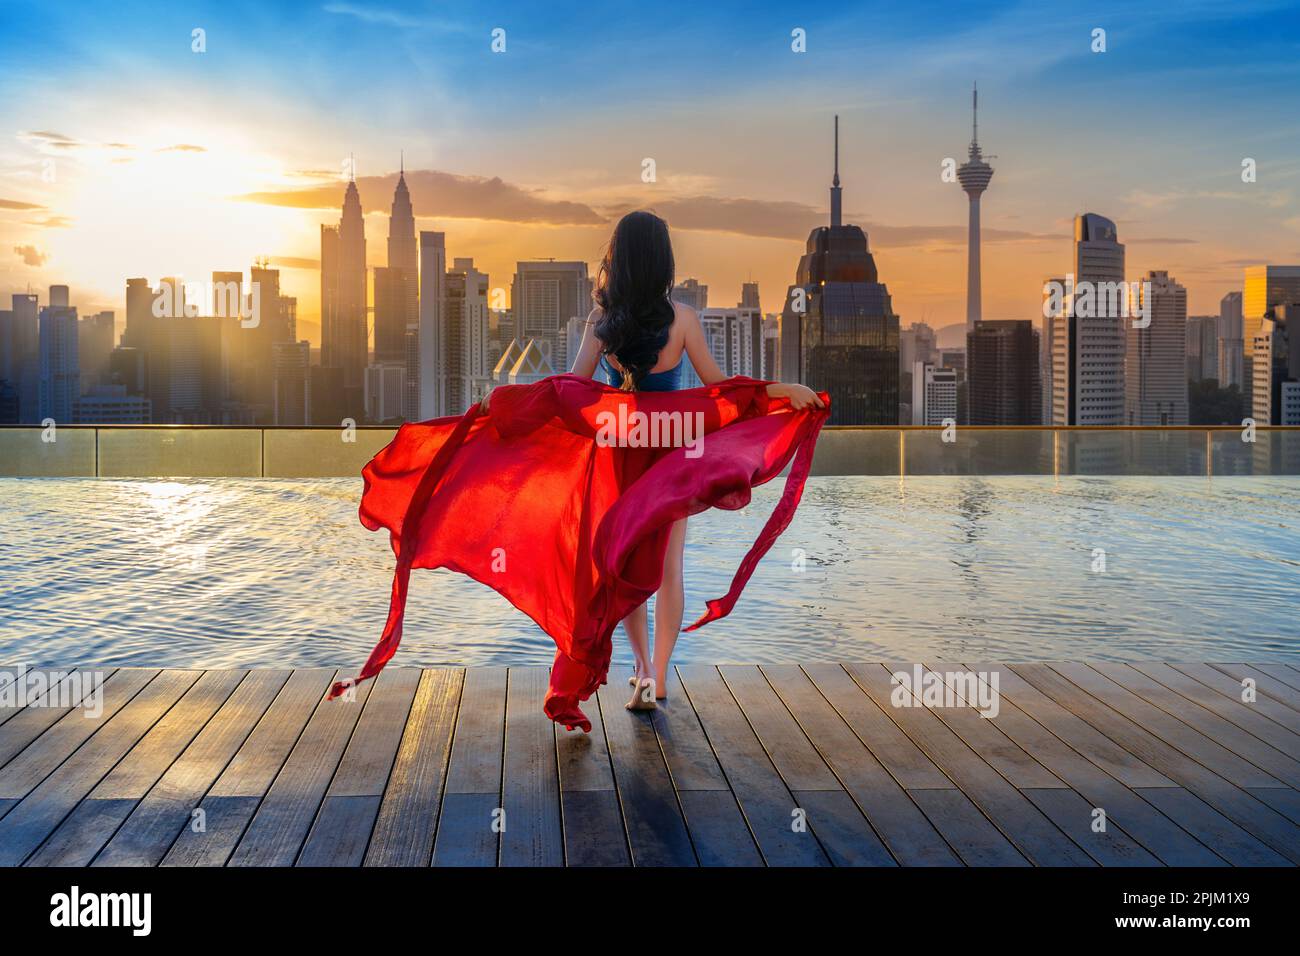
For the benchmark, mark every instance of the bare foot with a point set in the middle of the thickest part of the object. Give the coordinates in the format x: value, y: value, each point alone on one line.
x: 661, y: 687
x: 643, y: 695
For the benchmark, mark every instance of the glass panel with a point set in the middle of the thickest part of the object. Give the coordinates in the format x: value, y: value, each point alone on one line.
x: 856, y: 451
x: 322, y: 452
x: 24, y: 452
x: 978, y: 451
x: 161, y: 452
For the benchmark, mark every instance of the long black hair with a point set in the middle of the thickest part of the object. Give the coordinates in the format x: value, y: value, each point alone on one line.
x: 632, y: 288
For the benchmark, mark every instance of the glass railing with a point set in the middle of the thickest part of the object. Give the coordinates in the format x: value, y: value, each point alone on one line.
x: 164, y: 451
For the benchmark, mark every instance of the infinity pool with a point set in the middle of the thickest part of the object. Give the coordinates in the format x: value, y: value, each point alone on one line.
x: 241, y: 573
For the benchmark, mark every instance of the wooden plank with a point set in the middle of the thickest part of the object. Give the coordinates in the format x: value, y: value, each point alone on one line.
x: 1285, y: 802
x: 283, y: 820
x: 1243, y: 717
x: 1228, y: 840
x: 1287, y: 674
x: 530, y: 790
x: 1169, y: 728
x: 896, y: 751
x: 166, y: 809
x: 408, y: 816
x: 769, y: 807
x: 1232, y: 689
x: 1161, y: 837
x: 340, y: 833
x: 1018, y: 819
x: 1265, y: 682
x: 60, y: 730
x: 656, y: 830
x: 96, y: 818
x: 1074, y: 816
x: 466, y: 835
x: 904, y: 829
x: 970, y: 834
x: 14, y: 699
x: 981, y: 734
x: 691, y: 761
x: 975, y: 840
x: 719, y: 833
x: 1070, y: 726
x: 1244, y: 810
x: 27, y: 825
x: 840, y: 827
x: 226, y: 809
x: 592, y: 819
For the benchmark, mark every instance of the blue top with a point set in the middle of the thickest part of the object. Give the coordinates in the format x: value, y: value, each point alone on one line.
x: 665, y: 381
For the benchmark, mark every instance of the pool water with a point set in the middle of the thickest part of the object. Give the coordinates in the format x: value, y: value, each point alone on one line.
x: 258, y: 572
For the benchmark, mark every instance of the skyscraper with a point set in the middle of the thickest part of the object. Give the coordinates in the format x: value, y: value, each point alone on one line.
x: 1004, y: 379
x: 934, y: 394
x: 345, y: 340
x: 468, y: 376
x: 690, y: 292
x: 545, y: 295
x: 1230, y: 342
x: 433, y: 396
x: 1276, y: 363
x: 25, y: 355
x: 94, y: 346
x: 60, y: 371
x: 291, y: 399
x: 749, y: 296
x: 1088, y: 333
x: 974, y: 176
x: 397, y: 293
x: 839, y: 331
x: 1202, y: 347
x: 1155, y: 364
x: 1265, y: 286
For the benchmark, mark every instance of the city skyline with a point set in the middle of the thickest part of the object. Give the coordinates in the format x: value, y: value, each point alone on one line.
x: 143, y: 186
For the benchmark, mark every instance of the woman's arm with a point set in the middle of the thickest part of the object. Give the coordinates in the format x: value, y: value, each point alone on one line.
x: 698, y: 350
x: 588, y: 356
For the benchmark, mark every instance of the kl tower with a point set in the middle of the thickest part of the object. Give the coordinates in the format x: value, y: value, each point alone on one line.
x: 974, y: 176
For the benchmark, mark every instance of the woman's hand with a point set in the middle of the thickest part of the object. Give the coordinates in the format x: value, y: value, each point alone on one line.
x: 800, y: 396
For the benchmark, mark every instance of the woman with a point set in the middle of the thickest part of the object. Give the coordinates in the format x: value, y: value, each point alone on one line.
x: 530, y: 497
x: 636, y: 336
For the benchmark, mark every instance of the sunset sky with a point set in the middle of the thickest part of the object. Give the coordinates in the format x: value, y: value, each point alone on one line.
x: 123, y: 153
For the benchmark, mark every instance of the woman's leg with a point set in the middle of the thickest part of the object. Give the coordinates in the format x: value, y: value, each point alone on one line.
x: 669, y: 603
x: 637, y: 626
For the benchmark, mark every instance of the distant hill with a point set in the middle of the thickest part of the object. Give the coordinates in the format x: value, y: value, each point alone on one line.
x: 951, y: 336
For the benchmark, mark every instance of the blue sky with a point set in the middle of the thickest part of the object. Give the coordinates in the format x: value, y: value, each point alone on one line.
x: 1152, y: 132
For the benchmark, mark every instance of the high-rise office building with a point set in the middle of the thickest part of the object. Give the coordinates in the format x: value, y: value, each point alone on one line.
x: 735, y: 339
x: 433, y: 393
x: 1264, y: 287
x: 397, y: 291
x: 411, y: 380
x: 934, y: 394
x: 1004, y: 373
x: 916, y: 343
x: 467, y: 372
x: 1231, y: 347
x: 545, y: 294
x: 94, y: 346
x: 690, y: 292
x: 60, y: 370
x: 1275, y: 362
x: 749, y: 296
x: 839, y: 331
x: 1053, y: 309
x: 1155, y: 363
x: 25, y: 355
x: 345, y: 340
x: 291, y: 399
x: 974, y: 176
x: 385, y: 392
x: 1088, y: 334
x: 1202, y: 347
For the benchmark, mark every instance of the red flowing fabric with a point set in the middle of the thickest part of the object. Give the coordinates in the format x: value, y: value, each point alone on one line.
x: 571, y: 529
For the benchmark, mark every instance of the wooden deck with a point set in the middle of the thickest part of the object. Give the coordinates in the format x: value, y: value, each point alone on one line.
x: 422, y: 767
